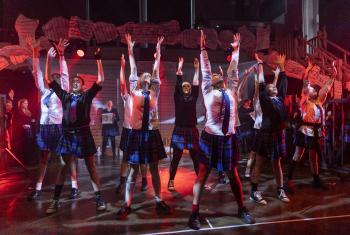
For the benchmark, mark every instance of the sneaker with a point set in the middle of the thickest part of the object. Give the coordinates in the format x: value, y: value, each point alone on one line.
x: 100, y: 204
x: 74, y: 193
x: 171, y: 185
x: 34, y: 195
x: 289, y: 187
x: 53, y: 207
x: 120, y: 189
x: 162, y: 208
x: 123, y: 212
x: 144, y: 185
x: 320, y: 184
x: 193, y: 221
x: 245, y: 216
x: 282, y: 196
x: 257, y: 197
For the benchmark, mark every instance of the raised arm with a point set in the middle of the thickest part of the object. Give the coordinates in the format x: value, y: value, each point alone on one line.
x: 327, y: 87
x: 232, y: 70
x: 50, y: 55
x: 100, y: 72
x: 155, y: 71
x: 195, y: 81
x: 133, y: 70
x: 37, y: 73
x: 179, y: 73
x: 60, y: 48
x: 205, y: 66
x: 282, y: 89
x: 122, y: 81
x: 276, y: 72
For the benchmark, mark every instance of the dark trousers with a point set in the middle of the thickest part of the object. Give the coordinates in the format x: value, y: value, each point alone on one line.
x: 176, y: 159
x: 105, y: 141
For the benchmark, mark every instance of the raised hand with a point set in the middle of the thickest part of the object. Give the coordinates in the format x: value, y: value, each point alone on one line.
x: 281, y: 60
x: 61, y: 46
x: 98, y: 54
x: 276, y: 71
x: 129, y: 41
x: 122, y: 61
x: 159, y: 43
x: 51, y: 53
x: 258, y: 59
x: 236, y: 41
x: 202, y: 41
x: 196, y: 64
x: 11, y: 94
x: 179, y: 67
x: 309, y: 66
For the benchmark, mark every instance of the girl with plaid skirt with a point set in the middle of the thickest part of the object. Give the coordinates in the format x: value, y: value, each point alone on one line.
x: 145, y: 145
x: 269, y: 140
x: 50, y: 129
x: 185, y: 134
x: 311, y: 130
x: 218, y: 143
x: 77, y: 140
x: 126, y: 132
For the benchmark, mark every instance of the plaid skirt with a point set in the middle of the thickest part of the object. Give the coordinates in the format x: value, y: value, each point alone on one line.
x: 79, y: 143
x: 185, y: 138
x: 270, y: 144
x: 246, y: 138
x: 110, y: 130
x: 307, y: 142
x: 145, y: 147
x: 49, y: 136
x: 220, y: 152
x: 124, y: 139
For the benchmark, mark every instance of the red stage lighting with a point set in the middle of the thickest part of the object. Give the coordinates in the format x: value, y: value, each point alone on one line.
x: 80, y: 53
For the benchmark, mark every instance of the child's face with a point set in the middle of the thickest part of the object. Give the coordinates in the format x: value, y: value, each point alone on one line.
x: 76, y: 84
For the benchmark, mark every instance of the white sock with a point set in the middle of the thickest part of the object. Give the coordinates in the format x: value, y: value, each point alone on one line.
x: 158, y: 199
x: 74, y: 184
x: 96, y: 189
x: 38, y: 186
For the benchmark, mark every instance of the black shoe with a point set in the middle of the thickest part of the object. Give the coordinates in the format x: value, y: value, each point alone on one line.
x: 320, y: 184
x: 245, y: 216
x: 120, y: 189
x: 53, y: 207
x: 34, y: 195
x: 100, y: 204
x: 74, y: 193
x: 144, y: 185
x: 123, y: 212
x: 193, y: 221
x: 162, y: 208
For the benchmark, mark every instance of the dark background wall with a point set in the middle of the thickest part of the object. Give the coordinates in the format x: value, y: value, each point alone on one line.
x: 335, y: 15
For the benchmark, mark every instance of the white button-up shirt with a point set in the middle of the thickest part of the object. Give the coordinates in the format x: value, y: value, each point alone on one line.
x: 52, y: 112
x: 138, y: 101
x: 213, y: 101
